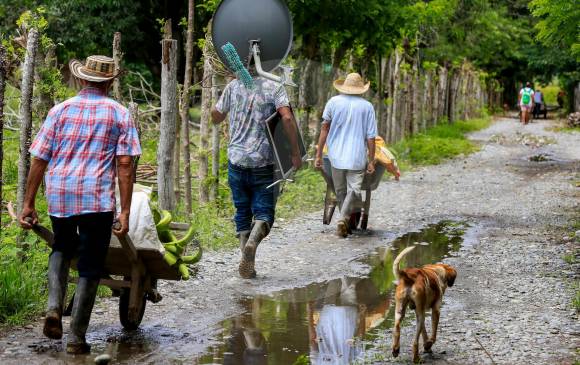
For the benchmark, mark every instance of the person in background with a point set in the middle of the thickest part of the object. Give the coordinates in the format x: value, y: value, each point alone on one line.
x: 538, y: 103
x: 526, y: 103
x: 250, y: 159
x: 349, y: 128
x: 84, y: 144
x: 560, y: 98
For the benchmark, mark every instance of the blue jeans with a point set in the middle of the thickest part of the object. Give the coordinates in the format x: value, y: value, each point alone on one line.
x: 251, y: 196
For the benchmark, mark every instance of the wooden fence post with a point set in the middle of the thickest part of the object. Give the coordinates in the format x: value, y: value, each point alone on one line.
x: 204, y: 127
x: 26, y: 116
x: 394, y: 112
x: 3, y: 69
x: 167, y: 127
x: 215, y: 147
x: 134, y: 113
x: 117, y: 57
x: 184, y: 112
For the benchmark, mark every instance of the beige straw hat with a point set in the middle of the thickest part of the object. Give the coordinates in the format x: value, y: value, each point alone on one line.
x: 95, y: 69
x: 352, y: 85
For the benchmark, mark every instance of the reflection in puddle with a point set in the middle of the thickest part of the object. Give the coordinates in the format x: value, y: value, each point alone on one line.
x: 323, y: 323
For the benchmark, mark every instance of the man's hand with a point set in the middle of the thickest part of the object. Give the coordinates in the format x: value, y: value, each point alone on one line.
x: 28, y: 212
x: 318, y: 163
x: 125, y: 173
x: 296, y: 162
x: 123, y: 222
x: 371, y: 167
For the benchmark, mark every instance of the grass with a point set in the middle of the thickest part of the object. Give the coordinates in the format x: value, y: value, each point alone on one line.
x: 439, y: 143
x: 569, y: 258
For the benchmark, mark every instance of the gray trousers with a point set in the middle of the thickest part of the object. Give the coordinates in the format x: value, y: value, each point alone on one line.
x: 347, y: 185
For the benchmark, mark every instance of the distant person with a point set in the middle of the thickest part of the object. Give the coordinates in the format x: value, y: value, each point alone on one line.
x: 251, y: 161
x: 349, y: 129
x: 526, y: 103
x: 85, y: 145
x: 560, y: 98
x: 538, y: 103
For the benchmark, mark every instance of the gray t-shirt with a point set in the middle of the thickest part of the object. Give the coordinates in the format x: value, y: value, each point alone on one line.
x: 248, y: 111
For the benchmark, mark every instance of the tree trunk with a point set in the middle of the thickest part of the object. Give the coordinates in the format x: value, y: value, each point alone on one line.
x: 134, y: 113
x: 167, y: 125
x: 204, y: 129
x: 117, y: 57
x: 380, y: 92
x: 185, y: 98
x: 390, y: 86
x: 306, y: 100
x: 215, y: 147
x: 26, y: 116
x: 394, y: 110
x: 3, y: 66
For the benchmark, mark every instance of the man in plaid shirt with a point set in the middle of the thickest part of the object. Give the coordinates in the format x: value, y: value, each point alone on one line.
x: 83, y: 145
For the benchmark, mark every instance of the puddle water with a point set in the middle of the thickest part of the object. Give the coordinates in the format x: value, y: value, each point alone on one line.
x: 326, y: 323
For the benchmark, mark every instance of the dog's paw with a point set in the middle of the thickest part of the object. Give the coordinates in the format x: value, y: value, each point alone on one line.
x: 427, y: 346
x: 396, y: 352
x: 416, y: 359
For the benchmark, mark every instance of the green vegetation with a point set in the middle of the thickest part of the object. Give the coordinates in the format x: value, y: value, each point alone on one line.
x: 441, y: 142
x: 22, y: 280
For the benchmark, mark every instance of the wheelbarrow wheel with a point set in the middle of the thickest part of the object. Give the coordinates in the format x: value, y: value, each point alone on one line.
x: 128, y: 323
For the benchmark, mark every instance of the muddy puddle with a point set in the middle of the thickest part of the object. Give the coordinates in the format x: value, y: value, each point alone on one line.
x: 329, y: 322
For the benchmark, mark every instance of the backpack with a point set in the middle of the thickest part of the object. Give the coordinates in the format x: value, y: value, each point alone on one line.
x: 526, y: 95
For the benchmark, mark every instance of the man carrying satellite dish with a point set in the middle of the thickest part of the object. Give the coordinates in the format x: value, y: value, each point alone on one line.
x: 250, y: 156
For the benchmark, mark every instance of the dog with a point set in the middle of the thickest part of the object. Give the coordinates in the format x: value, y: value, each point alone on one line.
x: 421, y: 289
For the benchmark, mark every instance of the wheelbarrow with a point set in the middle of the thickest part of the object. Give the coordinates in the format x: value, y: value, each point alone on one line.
x: 360, y: 215
x: 139, y: 268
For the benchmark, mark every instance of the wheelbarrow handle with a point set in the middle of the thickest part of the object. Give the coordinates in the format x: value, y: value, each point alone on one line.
x: 117, y: 225
x: 42, y: 232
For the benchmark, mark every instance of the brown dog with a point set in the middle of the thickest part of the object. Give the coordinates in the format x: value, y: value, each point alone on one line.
x: 421, y: 289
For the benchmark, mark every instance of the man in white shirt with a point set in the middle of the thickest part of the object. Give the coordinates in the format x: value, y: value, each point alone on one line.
x: 349, y: 129
x: 526, y: 102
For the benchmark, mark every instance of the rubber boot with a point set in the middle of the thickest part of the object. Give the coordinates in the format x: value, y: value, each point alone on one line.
x: 342, y: 229
x: 243, y: 236
x: 83, y: 306
x: 247, y: 264
x: 58, y: 267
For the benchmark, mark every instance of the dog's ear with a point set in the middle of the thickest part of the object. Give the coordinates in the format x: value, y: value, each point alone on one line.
x: 450, y: 275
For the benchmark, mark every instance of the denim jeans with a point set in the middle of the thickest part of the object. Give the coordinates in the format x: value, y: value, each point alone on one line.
x: 87, y: 236
x: 252, y: 198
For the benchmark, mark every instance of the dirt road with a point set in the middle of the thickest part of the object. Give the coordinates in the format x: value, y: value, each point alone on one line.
x: 501, y: 216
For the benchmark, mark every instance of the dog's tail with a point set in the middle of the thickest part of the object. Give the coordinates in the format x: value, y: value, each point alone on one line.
x: 396, y: 269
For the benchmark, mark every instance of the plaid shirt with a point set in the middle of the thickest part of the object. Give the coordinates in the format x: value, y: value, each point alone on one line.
x: 80, y: 139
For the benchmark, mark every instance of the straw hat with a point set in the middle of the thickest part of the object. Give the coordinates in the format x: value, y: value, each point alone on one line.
x: 95, y: 69
x: 352, y: 85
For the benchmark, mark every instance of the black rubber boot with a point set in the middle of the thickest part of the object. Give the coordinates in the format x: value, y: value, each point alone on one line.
x: 85, y: 295
x: 247, y: 264
x: 243, y: 236
x: 58, y: 267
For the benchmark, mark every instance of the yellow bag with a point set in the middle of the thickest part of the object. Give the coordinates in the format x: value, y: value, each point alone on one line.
x: 382, y: 156
x: 386, y: 158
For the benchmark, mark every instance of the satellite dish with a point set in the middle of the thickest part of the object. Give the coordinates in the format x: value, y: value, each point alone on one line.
x: 266, y: 21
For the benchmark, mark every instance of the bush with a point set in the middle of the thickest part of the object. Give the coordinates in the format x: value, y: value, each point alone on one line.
x: 22, y: 287
x: 438, y: 143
